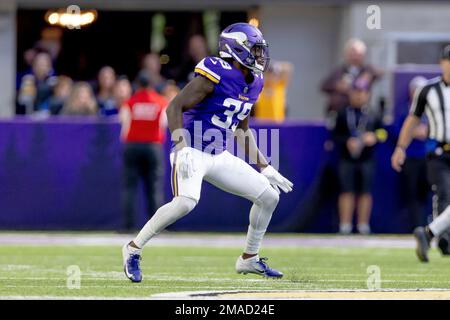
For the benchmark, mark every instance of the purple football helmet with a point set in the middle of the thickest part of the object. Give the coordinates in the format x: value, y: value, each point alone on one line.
x: 245, y: 44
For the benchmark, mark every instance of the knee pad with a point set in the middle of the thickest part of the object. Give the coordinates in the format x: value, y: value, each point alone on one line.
x: 185, y: 204
x: 269, y: 198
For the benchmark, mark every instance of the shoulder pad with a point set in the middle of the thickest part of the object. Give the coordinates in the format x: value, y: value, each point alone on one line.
x: 212, y: 68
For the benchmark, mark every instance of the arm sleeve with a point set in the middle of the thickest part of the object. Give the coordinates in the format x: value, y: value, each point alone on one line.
x: 419, y: 101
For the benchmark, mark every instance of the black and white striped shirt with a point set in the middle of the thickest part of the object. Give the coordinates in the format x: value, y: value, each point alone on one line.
x: 434, y: 100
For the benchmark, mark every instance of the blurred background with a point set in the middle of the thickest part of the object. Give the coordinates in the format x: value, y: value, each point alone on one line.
x: 68, y: 68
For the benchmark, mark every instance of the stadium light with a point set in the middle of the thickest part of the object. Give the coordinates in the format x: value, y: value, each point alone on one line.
x: 71, y: 20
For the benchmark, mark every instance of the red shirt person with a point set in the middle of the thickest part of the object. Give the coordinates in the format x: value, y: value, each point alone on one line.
x: 143, y: 132
x: 146, y: 117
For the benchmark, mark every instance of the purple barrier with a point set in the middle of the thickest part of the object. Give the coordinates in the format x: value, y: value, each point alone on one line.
x: 56, y: 174
x: 66, y: 174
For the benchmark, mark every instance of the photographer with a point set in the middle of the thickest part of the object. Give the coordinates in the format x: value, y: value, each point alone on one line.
x: 355, y: 135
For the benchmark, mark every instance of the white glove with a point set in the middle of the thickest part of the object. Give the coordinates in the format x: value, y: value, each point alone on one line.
x: 185, y: 163
x: 277, y: 180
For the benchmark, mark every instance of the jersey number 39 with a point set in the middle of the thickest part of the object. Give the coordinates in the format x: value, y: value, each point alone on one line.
x: 233, y: 106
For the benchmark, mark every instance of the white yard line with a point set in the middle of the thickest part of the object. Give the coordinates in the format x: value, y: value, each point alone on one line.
x: 233, y: 283
x: 205, y: 240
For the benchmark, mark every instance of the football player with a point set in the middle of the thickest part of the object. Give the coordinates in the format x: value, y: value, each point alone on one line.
x: 217, y: 101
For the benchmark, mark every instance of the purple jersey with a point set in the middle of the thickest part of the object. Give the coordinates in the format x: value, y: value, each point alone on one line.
x: 218, y: 115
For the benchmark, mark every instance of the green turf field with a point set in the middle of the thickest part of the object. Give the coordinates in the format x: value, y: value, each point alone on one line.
x: 41, y: 271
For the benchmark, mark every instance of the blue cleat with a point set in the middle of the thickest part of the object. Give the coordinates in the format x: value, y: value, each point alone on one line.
x: 131, y: 265
x: 258, y: 266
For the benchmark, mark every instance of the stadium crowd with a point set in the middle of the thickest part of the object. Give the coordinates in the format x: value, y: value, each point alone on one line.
x: 42, y: 91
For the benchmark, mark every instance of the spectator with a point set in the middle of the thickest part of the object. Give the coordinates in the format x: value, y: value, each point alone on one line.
x: 197, y: 50
x: 339, y: 83
x: 61, y: 93
x: 120, y: 94
x: 414, y: 178
x: 143, y: 136
x: 152, y: 64
x: 42, y: 81
x: 28, y: 57
x: 355, y: 134
x: 271, y: 104
x: 50, y: 41
x: 81, y: 101
x: 42, y: 71
x: 106, y: 79
x: 122, y: 91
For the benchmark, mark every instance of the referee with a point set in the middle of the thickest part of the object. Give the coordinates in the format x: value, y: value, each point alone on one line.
x: 434, y: 100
